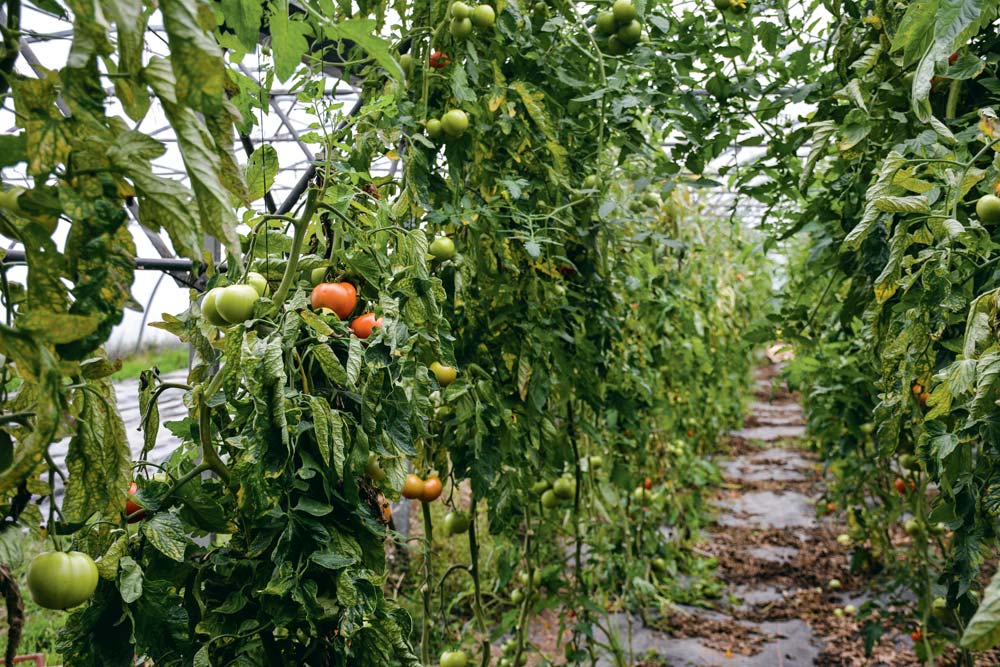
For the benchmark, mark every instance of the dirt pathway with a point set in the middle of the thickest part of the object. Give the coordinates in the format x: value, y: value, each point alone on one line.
x: 776, y: 558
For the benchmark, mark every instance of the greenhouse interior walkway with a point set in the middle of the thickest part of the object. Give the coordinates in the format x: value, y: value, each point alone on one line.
x: 777, y: 557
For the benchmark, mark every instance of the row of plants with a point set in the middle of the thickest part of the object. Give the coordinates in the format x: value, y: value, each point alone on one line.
x: 892, y: 310
x: 529, y: 325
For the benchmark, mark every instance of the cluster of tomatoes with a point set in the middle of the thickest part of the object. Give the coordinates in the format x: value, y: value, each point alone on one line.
x: 226, y: 306
x: 464, y: 17
x: 425, y: 490
x: 620, y: 27
x: 552, y: 494
x: 341, y: 299
x: 451, y: 125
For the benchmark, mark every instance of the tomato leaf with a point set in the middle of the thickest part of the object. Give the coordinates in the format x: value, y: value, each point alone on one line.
x: 166, y: 533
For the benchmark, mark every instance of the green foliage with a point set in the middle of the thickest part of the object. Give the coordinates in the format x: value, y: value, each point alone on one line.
x: 583, y: 321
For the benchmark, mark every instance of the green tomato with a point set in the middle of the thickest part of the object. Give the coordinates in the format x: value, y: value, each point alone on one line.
x: 61, y: 580
x: 456, y: 523
x: 659, y: 565
x: 624, y: 11
x: 596, y: 462
x: 649, y: 199
x: 564, y: 488
x: 483, y: 16
x: 605, y: 24
x: 590, y: 182
x: 235, y: 303
x: 258, y: 282
x: 834, y: 585
x: 541, y: 486
x: 434, y: 129
x: 844, y: 540
x: 460, y: 10
x: 988, y: 208
x: 867, y: 428
x: 838, y: 612
x: 209, y: 310
x: 912, y: 527
x: 517, y: 597
x: 373, y: 469
x: 317, y: 276
x: 616, y: 47
x: 550, y: 500
x: 442, y: 248
x: 630, y: 34
x: 406, y: 64
x: 850, y: 610
x: 535, y: 579
x: 460, y: 28
x: 454, y: 659
x: 445, y: 374
x: 940, y: 610
x: 642, y: 495
x: 909, y: 462
x: 455, y: 123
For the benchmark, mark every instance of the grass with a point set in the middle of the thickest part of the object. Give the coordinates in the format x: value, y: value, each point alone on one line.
x: 166, y: 359
x: 41, y: 626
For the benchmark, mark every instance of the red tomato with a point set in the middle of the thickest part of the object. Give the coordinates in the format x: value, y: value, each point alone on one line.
x: 648, y: 484
x: 917, y: 635
x: 131, y: 507
x: 900, y: 486
x: 432, y: 489
x: 439, y: 60
x: 363, y: 326
x: 341, y: 298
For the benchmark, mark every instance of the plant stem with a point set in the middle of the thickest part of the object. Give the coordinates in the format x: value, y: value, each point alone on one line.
x: 477, y: 595
x: 425, y: 626
x: 291, y: 269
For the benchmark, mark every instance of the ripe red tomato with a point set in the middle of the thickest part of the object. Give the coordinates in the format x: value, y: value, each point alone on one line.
x: 917, y: 635
x: 432, y: 489
x: 131, y: 507
x: 341, y: 298
x: 363, y: 326
x: 439, y: 60
x: 900, y: 485
x: 830, y: 507
x: 648, y: 484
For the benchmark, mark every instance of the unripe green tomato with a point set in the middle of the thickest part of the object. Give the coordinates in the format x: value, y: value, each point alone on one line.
x: 258, y: 282
x: 590, y: 182
x: 659, y: 565
x: 406, y: 64
x: 539, y: 11
x: 988, y: 208
x: 550, y: 500
x: 456, y: 523
x: 454, y: 659
x: 624, y: 11
x: 442, y: 248
x: 605, y: 24
x: 460, y: 10
x: 649, y: 199
x: 912, y: 527
x: 483, y: 16
x: 616, y: 47
x: 434, y: 129
x: 455, y: 123
x: 373, y: 469
x: 460, y: 28
x: 62, y: 580
x: 867, y: 428
x: 235, y: 303
x: 940, y: 609
x: 209, y: 310
x: 834, y: 585
x: 317, y: 276
x: 850, y: 609
x: 909, y: 462
x: 844, y: 539
x: 541, y: 486
x: 517, y: 596
x: 630, y: 34
x: 642, y: 495
x: 536, y: 578
x: 445, y: 374
x: 596, y: 462
x: 564, y: 488
x: 838, y: 612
